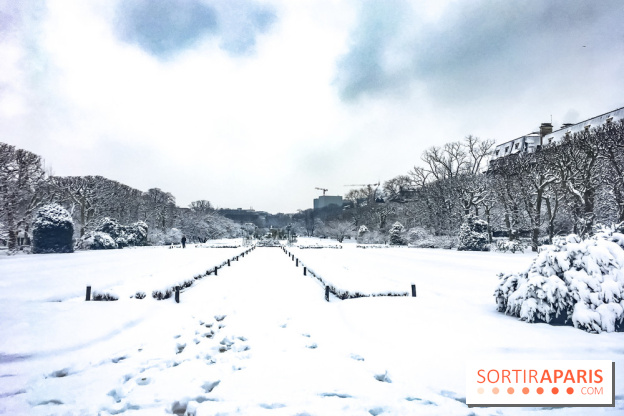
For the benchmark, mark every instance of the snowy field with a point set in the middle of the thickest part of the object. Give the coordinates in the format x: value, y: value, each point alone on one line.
x: 259, y: 338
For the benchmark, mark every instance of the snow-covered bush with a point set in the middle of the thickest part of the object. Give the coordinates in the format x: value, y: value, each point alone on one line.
x: 173, y: 236
x: 417, y: 233
x: 96, y: 240
x: 396, y: 235
x: 105, y: 296
x: 473, y: 234
x: 111, y: 227
x: 433, y: 241
x: 136, y: 233
x: 124, y: 235
x: 572, y: 281
x: 510, y: 245
x: 52, y: 229
x: 362, y: 234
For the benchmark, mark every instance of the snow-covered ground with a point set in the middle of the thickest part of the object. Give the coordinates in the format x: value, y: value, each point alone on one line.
x: 259, y: 338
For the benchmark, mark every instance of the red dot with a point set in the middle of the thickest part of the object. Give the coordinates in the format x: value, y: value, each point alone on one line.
x: 540, y: 390
x: 570, y: 390
x: 510, y: 390
x: 555, y: 390
x: 495, y: 390
x: 525, y: 390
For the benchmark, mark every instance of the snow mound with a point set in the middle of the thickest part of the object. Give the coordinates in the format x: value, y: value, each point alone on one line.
x: 571, y: 281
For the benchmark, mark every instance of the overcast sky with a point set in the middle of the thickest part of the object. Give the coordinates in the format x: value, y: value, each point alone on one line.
x: 254, y: 103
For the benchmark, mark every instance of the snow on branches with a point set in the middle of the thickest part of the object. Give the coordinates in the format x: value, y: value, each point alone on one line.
x: 571, y: 281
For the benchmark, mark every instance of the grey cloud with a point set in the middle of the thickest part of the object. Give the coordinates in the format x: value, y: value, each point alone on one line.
x: 166, y: 27
x: 479, y: 48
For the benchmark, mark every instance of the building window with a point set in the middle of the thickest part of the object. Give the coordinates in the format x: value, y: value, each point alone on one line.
x: 517, y: 145
x: 550, y: 139
x: 526, y: 147
x: 506, y: 149
x: 497, y: 152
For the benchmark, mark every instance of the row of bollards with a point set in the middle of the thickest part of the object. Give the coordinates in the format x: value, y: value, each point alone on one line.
x: 177, y: 288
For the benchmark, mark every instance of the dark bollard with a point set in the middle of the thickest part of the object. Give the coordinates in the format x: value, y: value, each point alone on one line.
x: 228, y: 262
x: 236, y: 258
x: 305, y: 270
x: 216, y: 270
x: 88, y: 292
x: 327, y: 293
x: 413, y: 291
x: 177, y: 295
x: 297, y: 263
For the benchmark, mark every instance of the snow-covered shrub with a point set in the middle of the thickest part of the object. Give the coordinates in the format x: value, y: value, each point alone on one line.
x: 52, y: 229
x: 96, y: 240
x: 161, y: 294
x: 473, y: 234
x: 572, y: 281
x: 136, y: 233
x: 173, y: 236
x: 417, y: 233
x: 124, y: 235
x: 510, y: 245
x: 111, y: 227
x: 396, y: 235
x: 105, y: 296
x: 433, y: 241
x: 362, y: 233
x: 140, y: 295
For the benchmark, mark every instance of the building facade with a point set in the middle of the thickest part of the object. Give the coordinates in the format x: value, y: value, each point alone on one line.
x: 326, y: 201
x: 533, y: 141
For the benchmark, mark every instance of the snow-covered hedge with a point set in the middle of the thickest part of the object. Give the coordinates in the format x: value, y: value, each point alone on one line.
x: 343, y: 294
x: 269, y: 243
x: 105, y: 296
x: 571, y: 281
x: 306, y: 246
x: 53, y: 229
x: 432, y: 241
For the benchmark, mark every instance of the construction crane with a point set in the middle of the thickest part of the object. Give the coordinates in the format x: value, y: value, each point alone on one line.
x: 322, y: 189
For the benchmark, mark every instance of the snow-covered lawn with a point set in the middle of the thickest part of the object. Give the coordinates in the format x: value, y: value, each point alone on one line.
x: 259, y: 338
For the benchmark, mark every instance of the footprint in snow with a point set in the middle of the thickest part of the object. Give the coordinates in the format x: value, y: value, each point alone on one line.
x: 357, y: 357
x: 312, y: 346
x: 59, y: 373
x: 383, y: 378
x: 219, y: 318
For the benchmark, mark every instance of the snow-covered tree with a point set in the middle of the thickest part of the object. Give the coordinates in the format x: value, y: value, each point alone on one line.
x: 21, y: 189
x: 339, y: 229
x: 53, y: 230
x: 573, y: 281
x: 473, y: 234
x: 397, y: 237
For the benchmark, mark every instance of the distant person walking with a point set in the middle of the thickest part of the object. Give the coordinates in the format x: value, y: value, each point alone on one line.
x: 183, y: 241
